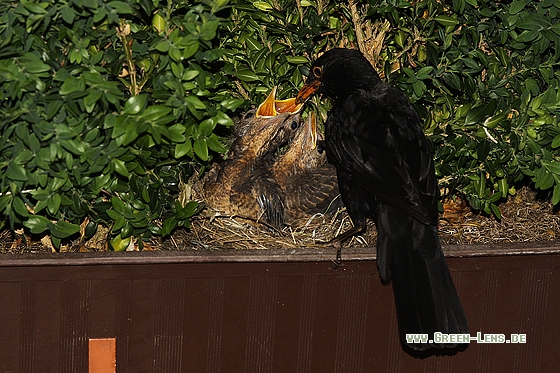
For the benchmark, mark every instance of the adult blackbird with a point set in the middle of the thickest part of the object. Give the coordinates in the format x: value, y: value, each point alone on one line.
x: 386, y: 171
x: 309, y: 182
x: 243, y: 184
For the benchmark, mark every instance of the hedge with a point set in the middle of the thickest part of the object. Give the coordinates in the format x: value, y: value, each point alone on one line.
x: 107, y: 108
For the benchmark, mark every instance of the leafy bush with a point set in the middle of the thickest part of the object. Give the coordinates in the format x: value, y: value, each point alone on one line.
x: 482, y: 75
x: 107, y: 106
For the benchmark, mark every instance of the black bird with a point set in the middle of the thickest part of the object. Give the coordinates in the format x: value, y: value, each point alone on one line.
x: 386, y: 172
x: 302, y: 171
x: 243, y: 184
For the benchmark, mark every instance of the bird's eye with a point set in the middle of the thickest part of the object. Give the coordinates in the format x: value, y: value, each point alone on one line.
x: 320, y: 149
x: 294, y: 125
x: 318, y: 71
x: 249, y: 114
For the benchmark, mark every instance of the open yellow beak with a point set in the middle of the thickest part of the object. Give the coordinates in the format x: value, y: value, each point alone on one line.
x: 267, y: 108
x: 312, y: 120
x: 272, y: 107
x: 288, y: 106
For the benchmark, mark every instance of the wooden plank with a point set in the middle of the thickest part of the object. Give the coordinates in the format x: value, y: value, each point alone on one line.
x: 324, y: 254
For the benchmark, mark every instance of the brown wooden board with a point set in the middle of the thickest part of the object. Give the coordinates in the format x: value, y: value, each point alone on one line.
x: 266, y: 311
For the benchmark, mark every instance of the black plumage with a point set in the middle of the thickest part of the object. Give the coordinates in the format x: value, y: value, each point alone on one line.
x: 386, y: 172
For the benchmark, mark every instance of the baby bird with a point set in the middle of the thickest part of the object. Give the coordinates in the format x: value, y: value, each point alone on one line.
x: 243, y: 184
x: 309, y: 183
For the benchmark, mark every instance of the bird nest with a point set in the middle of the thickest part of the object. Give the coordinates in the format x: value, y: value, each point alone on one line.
x: 239, y: 233
x: 525, y: 218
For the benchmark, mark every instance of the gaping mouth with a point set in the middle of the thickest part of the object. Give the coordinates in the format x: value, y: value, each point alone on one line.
x: 311, y: 121
x: 272, y: 107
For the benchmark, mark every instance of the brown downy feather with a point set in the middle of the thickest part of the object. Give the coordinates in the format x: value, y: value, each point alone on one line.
x: 243, y: 185
x: 308, y: 181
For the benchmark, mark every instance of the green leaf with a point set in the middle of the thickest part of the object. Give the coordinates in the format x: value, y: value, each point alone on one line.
x: 206, y: 127
x: 120, y: 167
x: 503, y: 187
x: 175, y: 53
x: 556, y: 194
x: 135, y: 104
x: 58, y: 182
x: 201, y: 149
x: 68, y: 14
x: 223, y: 119
x: 163, y: 46
x: 186, y: 212
x: 35, y: 8
x: 16, y: 172
x: 446, y: 20
x: 208, y: 30
x: 120, y: 244
x: 297, y: 59
x: 214, y: 144
x: 232, y: 104
x: 496, y: 211
x: 543, y: 179
x: 552, y: 166
x: 38, y: 224
x: 253, y: 44
x: 483, y: 150
x: 121, y: 7
x: 183, y: 149
x: 33, y: 64
x: 53, y: 203
x: 177, y: 133
x: 481, y: 189
x: 72, y: 85
x: 517, y: 6
x: 156, y: 114
x: 168, y: 225
x: 63, y: 229
x: 262, y: 5
x: 19, y: 207
x: 190, y: 74
x: 91, y: 99
x: 190, y: 49
x: 74, y: 146
x: 246, y: 75
x: 195, y: 102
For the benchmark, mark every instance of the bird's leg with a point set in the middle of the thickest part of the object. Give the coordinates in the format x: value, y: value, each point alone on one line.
x: 337, y: 242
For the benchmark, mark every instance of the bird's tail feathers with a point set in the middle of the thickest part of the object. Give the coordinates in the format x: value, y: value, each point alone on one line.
x: 410, y: 256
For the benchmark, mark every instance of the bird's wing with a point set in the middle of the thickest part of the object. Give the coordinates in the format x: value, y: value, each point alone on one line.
x: 313, y: 191
x: 376, y: 138
x: 269, y: 196
x: 255, y: 194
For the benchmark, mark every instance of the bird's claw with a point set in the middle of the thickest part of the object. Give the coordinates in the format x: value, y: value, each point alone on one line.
x: 338, y: 246
x: 338, y: 261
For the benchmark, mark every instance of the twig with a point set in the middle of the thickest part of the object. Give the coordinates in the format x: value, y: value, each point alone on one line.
x: 356, y: 19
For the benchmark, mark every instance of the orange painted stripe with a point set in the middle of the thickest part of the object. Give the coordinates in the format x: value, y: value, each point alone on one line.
x: 103, y: 355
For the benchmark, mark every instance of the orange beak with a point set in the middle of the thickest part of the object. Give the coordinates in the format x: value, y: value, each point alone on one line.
x: 272, y: 107
x: 288, y: 106
x: 307, y: 91
x: 313, y: 129
x: 267, y: 108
